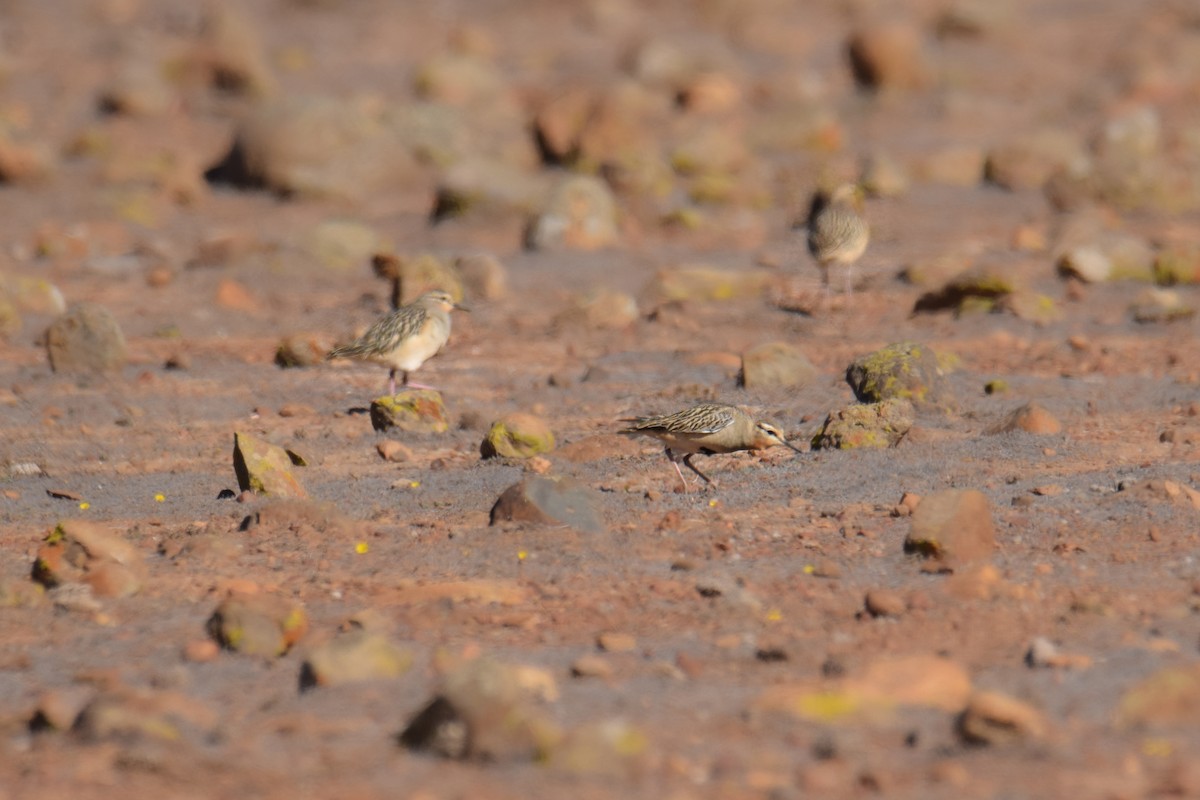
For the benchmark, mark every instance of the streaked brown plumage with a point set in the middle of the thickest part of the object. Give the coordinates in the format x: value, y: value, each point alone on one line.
x: 837, y: 234
x: 406, y: 338
x: 708, y: 429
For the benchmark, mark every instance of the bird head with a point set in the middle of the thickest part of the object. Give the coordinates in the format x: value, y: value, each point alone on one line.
x: 440, y: 298
x: 769, y: 436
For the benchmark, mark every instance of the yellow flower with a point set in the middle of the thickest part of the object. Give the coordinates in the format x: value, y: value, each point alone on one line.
x: 361, y: 548
x: 85, y: 505
x: 158, y: 498
x: 521, y: 554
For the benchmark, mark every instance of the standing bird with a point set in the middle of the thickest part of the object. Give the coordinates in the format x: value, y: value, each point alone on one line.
x: 406, y: 338
x: 837, y: 233
x: 707, y: 428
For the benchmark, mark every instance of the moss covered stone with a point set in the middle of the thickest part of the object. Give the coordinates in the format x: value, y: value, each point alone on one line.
x: 865, y: 425
x: 517, y: 435
x: 413, y: 410
x: 264, y: 468
x: 903, y: 371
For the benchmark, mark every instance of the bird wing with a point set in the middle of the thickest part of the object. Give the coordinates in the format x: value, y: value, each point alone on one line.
x: 703, y: 419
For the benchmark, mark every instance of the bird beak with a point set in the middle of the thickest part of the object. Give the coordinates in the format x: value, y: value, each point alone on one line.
x: 461, y: 307
x: 791, y: 446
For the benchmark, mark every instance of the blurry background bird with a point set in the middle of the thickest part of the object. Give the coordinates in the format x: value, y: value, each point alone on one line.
x: 406, y: 338
x: 837, y: 233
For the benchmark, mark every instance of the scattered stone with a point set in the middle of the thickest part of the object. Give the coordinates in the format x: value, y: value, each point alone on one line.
x: 341, y: 244
x: 411, y: 410
x: 1088, y: 263
x: 889, y: 55
x: 550, y: 501
x: 1167, y: 700
x: 885, y: 603
x: 32, y: 295
x: 236, y: 296
x: 257, y: 624
x: 592, y: 666
x: 264, y: 468
x: 21, y: 593
x: 883, y: 176
x: 201, y: 651
x: 992, y: 718
x: 581, y: 214
x: 488, y: 188
x: 483, y: 276
x: 917, y: 681
x: 601, y: 309
x: 86, y: 338
x: 394, y: 451
x: 937, y: 272
x: 1177, y: 265
x: 701, y: 283
x: 138, y: 89
x: 25, y: 162
x: 1031, y: 418
x: 458, y: 79
x: 954, y: 165
x: 865, y: 425
x: 303, y: 350
x: 1163, y: 491
x: 776, y: 364
x: 357, y: 655
x: 978, y: 290
x: 609, y: 748
x: 1043, y: 653
x: 413, y: 276
x: 996, y: 386
x: 1160, y: 305
x: 78, y: 551
x: 517, y: 435
x: 483, y: 712
x: 125, y: 714
x: 953, y: 526
x: 616, y: 642
x: 907, y: 505
x: 906, y: 370
x: 1029, y: 161
x: 231, y: 50
x: 319, y: 147
x: 57, y: 709
x: 1034, y: 307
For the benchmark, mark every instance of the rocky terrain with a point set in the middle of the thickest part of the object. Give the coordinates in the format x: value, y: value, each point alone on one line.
x: 232, y: 568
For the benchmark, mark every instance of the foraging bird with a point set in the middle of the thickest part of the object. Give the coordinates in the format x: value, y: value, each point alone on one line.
x: 708, y: 429
x: 837, y: 233
x: 406, y: 338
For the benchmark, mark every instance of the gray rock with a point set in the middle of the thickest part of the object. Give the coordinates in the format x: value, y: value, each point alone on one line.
x: 483, y: 712
x: 85, y: 339
x: 552, y: 501
x: 776, y: 364
x: 580, y: 214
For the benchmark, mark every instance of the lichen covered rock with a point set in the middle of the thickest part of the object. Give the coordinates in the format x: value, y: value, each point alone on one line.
x: 413, y: 410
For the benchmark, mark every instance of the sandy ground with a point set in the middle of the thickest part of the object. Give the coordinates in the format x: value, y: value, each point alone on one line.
x: 743, y: 603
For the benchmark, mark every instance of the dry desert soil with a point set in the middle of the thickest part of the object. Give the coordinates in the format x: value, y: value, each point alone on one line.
x: 614, y: 189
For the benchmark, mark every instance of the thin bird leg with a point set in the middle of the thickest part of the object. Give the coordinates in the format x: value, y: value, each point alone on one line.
x: 408, y: 385
x: 674, y: 459
x: 392, y: 383
x: 687, y: 460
